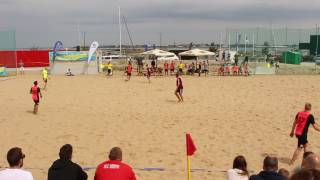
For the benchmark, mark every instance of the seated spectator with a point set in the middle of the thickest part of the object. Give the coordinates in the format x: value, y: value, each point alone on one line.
x: 15, y: 159
x: 114, y: 169
x: 285, y: 173
x: 312, y: 161
x: 64, y: 168
x: 239, y: 170
x: 270, y: 168
x: 306, y: 174
x: 69, y: 73
x: 305, y: 155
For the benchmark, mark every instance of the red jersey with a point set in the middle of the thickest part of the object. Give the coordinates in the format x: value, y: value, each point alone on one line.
x: 35, y: 90
x: 129, y: 69
x: 302, y: 118
x: 235, y: 68
x: 179, y: 83
x: 166, y: 66
x: 114, y: 170
x: 227, y: 68
x: 172, y: 65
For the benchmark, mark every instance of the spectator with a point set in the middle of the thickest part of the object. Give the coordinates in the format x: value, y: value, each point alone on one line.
x: 114, y: 169
x: 239, y: 170
x: 270, y: 168
x: 306, y: 174
x: 305, y: 155
x: 312, y: 161
x: 64, y: 168
x: 15, y: 159
x: 285, y: 173
x: 69, y: 73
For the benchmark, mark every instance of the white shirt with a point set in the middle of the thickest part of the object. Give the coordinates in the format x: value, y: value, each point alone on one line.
x: 235, y: 174
x: 15, y: 174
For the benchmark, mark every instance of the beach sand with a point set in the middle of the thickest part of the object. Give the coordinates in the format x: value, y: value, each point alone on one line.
x: 226, y: 116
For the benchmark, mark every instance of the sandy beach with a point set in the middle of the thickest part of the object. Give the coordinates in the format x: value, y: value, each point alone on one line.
x: 226, y: 116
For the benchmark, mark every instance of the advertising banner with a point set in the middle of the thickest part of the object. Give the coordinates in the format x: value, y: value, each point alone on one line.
x: 72, y: 56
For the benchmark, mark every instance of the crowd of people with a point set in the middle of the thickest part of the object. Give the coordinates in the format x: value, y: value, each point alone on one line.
x: 169, y: 68
x: 114, y: 169
x: 308, y: 170
x: 65, y: 169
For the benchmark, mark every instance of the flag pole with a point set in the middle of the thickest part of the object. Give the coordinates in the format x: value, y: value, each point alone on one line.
x: 188, y: 167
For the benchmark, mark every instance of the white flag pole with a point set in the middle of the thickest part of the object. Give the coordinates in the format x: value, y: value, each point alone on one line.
x: 253, y: 44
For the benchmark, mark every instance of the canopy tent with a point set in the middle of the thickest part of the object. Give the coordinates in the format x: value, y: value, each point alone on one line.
x: 157, y: 52
x: 197, y: 52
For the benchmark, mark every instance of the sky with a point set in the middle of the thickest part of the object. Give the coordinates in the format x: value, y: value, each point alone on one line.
x: 41, y: 23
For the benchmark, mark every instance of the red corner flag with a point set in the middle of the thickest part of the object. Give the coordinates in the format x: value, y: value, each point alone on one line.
x: 191, y: 148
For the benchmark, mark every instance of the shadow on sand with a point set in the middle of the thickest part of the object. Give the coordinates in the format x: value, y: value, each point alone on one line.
x: 29, y: 111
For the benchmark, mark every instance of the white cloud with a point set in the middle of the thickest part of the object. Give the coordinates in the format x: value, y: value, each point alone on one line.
x: 43, y: 22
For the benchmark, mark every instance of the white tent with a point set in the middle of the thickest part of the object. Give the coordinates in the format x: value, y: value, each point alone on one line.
x: 158, y: 52
x: 197, y: 53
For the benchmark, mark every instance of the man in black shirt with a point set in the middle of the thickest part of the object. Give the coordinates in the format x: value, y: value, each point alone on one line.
x: 270, y: 168
x: 64, y: 168
x: 300, y: 128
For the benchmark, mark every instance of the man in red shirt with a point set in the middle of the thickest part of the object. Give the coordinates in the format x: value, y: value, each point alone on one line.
x: 171, y: 68
x: 166, y: 68
x: 300, y: 128
x: 114, y: 169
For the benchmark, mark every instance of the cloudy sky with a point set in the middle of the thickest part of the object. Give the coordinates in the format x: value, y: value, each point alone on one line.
x: 42, y: 22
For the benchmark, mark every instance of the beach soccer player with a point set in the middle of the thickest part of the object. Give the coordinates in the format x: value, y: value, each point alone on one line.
x: 172, y: 68
x: 36, y: 94
x: 300, y: 128
x: 199, y: 69
x: 228, y: 68
x: 206, y: 68
x: 109, y: 66
x: 180, y: 68
x: 235, y: 69
x: 45, y: 75
x: 148, y: 72
x: 179, y: 90
x: 221, y: 70
x: 166, y: 68
x: 129, y: 71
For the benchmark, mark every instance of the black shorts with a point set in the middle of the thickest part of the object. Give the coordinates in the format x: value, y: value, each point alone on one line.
x: 302, y: 140
x: 172, y: 70
x: 36, y: 101
x: 179, y: 90
x: 109, y: 71
x: 45, y: 80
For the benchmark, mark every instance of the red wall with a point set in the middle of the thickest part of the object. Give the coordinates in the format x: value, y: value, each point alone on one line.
x: 8, y: 59
x: 30, y: 58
